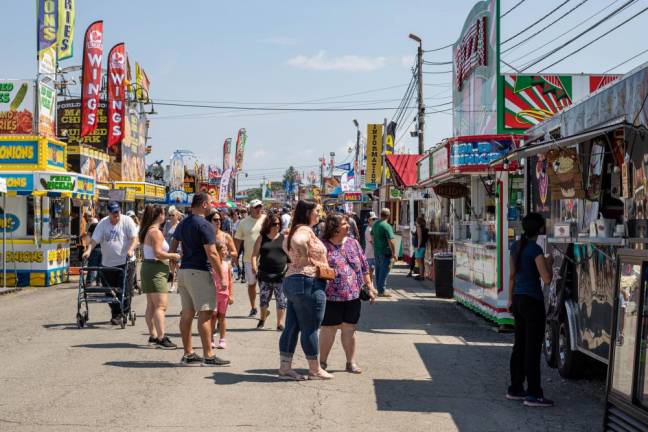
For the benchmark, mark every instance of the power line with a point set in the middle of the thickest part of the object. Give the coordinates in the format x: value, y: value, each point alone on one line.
x: 512, y: 9
x: 439, y: 48
x: 545, y: 27
x: 596, y: 39
x: 438, y: 63
x: 572, y: 29
x: 536, y: 22
x: 626, y: 61
x: 587, y: 30
x: 437, y: 72
x: 251, y: 108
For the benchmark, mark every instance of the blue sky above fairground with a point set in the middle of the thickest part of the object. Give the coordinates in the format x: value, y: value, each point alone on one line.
x: 330, y: 54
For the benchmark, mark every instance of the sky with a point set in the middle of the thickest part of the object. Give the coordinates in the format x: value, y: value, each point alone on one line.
x: 335, y: 53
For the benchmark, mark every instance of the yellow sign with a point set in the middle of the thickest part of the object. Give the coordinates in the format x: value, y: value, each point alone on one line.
x: 373, y: 172
x: 160, y: 192
x: 149, y: 190
x: 130, y: 195
x: 137, y: 187
x: 25, y: 257
x: 31, y: 153
x: 58, y: 255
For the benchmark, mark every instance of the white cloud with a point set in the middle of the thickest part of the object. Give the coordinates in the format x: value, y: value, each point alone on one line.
x: 407, y: 61
x: 349, y: 63
x: 278, y: 40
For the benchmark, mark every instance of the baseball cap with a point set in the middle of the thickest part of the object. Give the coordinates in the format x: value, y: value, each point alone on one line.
x: 255, y: 203
x: 113, y: 207
x: 372, y: 215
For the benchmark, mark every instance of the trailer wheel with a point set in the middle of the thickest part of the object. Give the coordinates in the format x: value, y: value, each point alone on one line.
x: 550, y: 344
x: 568, y: 361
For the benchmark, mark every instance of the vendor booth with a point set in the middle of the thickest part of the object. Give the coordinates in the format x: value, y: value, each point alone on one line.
x: 142, y: 192
x: 37, y: 219
x: 485, y: 220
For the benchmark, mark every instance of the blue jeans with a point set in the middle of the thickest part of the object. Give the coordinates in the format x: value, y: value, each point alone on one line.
x: 305, y: 312
x: 382, y: 271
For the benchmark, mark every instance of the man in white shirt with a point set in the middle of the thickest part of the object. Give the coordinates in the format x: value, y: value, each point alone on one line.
x: 117, y: 236
x: 247, y: 233
x: 285, y: 219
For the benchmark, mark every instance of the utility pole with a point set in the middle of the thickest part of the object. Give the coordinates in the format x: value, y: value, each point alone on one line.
x: 322, y: 161
x: 420, y: 118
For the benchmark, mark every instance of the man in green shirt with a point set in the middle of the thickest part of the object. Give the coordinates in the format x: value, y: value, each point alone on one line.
x: 384, y: 250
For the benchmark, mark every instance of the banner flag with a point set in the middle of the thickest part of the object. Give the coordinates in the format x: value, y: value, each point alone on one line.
x: 344, y: 167
x: 373, y: 172
x: 116, y: 94
x: 91, y: 85
x: 47, y: 29
x: 223, y: 193
x: 389, y: 144
x: 143, y: 83
x: 241, y: 139
x: 66, y: 19
x: 129, y: 78
x: 227, y: 150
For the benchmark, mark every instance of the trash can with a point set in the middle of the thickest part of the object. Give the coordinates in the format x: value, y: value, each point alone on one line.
x: 443, y: 273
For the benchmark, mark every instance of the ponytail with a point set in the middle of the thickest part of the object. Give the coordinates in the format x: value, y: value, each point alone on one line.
x: 532, y: 225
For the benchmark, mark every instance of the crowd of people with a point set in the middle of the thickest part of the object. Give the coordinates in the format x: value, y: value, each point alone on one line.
x: 312, y: 263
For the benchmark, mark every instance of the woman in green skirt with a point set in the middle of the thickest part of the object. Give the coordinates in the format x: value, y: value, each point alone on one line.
x: 155, y: 273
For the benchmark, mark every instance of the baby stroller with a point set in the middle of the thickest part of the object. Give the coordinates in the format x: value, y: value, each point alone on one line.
x: 115, y: 295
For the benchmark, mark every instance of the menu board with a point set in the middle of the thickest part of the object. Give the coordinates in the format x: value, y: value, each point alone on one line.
x: 69, y: 124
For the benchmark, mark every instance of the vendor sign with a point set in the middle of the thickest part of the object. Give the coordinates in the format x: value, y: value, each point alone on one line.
x: 137, y: 187
x: 46, y: 107
x: 69, y: 124
x: 451, y: 190
x: 18, y: 182
x: 31, y: 153
x: 149, y: 190
x: 9, y: 223
x: 440, y: 160
x: 17, y: 107
x: 85, y: 185
x: 373, y: 174
x: 178, y: 197
x: 55, y: 182
x: 352, y: 197
x: 160, y: 192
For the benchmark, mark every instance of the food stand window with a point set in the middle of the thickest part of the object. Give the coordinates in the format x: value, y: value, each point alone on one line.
x: 59, y: 217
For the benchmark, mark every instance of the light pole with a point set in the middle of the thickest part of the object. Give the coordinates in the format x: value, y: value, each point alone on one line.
x: 356, y: 164
x: 420, y: 118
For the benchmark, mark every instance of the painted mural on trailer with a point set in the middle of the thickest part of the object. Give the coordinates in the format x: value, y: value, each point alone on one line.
x: 530, y: 99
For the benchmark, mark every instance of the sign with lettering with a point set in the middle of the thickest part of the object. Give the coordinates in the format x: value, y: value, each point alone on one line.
x: 19, y: 182
x: 373, y: 173
x: 9, y: 222
x: 451, y: 190
x: 69, y: 124
x: 137, y: 187
x: 352, y: 196
x: 55, y: 155
x: 440, y: 161
x: 18, y: 152
x: 17, y: 107
x: 56, y: 182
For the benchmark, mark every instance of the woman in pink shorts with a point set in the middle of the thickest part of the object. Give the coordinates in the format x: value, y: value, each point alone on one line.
x: 224, y: 292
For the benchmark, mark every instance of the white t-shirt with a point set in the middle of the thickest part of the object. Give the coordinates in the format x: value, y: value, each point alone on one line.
x: 249, y: 230
x: 369, y: 249
x: 115, y: 240
x: 285, y: 221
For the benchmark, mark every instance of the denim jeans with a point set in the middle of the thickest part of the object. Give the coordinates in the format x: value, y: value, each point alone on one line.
x: 306, y: 304
x: 383, y: 263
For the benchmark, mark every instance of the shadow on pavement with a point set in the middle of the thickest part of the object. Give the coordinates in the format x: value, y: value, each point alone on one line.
x: 73, y: 326
x: 142, y: 364
x: 113, y: 345
x: 228, y: 378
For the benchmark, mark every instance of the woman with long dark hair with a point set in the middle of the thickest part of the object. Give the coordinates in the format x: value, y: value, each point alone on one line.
x: 528, y: 266
x: 269, y: 264
x: 304, y: 286
x: 343, y: 304
x: 419, y: 253
x: 154, y: 274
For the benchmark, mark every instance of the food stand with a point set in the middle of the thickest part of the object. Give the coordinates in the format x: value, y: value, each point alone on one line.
x: 37, y: 217
x: 142, y: 192
x: 483, y: 224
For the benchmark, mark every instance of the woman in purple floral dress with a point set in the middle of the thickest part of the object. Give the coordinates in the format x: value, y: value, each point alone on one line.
x: 343, y: 305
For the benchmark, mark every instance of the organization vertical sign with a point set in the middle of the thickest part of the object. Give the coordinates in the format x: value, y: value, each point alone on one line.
x: 47, y: 27
x: 66, y: 18
x: 373, y: 172
x: 227, y: 150
x: 91, y: 86
x: 116, y: 97
x: 241, y: 140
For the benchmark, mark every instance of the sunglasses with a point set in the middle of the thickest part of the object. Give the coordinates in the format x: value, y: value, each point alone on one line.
x: 276, y: 224
x: 216, y: 220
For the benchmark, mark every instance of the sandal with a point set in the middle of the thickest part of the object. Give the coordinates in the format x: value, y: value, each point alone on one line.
x: 321, y: 375
x: 353, y: 368
x: 291, y: 375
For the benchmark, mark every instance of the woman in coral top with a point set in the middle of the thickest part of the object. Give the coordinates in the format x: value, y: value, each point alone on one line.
x: 305, y: 293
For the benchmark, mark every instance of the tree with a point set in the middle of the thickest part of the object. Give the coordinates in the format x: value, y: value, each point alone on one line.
x: 291, y: 175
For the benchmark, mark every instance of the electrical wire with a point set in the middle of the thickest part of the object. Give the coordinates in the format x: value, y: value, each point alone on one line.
x: 596, y: 39
x: 437, y: 72
x: 512, y: 9
x: 439, y: 63
x: 535, y: 23
x: 517, y: 45
x: 530, y: 52
x: 626, y: 61
x: 251, y: 108
x: 581, y: 34
x: 439, y: 48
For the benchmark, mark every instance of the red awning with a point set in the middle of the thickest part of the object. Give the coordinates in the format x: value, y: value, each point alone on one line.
x: 403, y: 168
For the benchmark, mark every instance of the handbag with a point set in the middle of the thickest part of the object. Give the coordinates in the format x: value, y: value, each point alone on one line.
x: 325, y: 273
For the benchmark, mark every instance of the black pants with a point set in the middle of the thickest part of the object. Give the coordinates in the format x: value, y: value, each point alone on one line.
x: 113, y: 278
x: 529, y: 314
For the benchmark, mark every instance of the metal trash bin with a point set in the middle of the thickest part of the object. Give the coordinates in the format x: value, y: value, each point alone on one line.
x: 443, y: 273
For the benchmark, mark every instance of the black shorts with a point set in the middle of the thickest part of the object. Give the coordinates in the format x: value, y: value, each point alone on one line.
x: 338, y: 312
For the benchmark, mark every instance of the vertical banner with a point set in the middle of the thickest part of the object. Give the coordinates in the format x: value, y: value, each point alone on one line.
x: 46, y: 107
x: 47, y: 27
x: 143, y: 83
x: 91, y: 85
x: 223, y: 193
x: 227, y: 150
x: 389, y: 144
x: 116, y: 97
x: 241, y: 139
x: 65, y: 37
x: 373, y: 172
